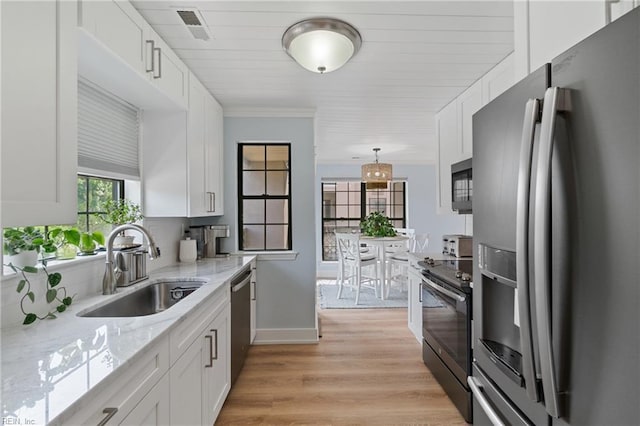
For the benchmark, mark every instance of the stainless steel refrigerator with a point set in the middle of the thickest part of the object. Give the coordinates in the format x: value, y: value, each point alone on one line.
x: 556, y: 237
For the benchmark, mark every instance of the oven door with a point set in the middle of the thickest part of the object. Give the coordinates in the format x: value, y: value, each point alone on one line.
x: 446, y: 324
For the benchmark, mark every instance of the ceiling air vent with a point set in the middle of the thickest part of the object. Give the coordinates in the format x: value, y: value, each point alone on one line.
x: 192, y: 18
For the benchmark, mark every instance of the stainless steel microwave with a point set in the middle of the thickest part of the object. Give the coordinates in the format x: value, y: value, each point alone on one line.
x: 462, y: 186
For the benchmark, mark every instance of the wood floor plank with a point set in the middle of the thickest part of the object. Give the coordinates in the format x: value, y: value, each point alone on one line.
x: 366, y: 370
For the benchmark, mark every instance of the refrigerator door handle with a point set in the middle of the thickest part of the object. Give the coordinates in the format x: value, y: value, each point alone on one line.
x: 476, y: 389
x: 555, y: 100
x: 532, y: 111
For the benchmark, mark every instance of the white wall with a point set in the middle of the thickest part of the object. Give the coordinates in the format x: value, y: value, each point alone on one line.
x: 286, y: 288
x: 421, y: 205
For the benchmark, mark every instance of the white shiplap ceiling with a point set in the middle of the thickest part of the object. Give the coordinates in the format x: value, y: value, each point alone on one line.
x: 416, y: 57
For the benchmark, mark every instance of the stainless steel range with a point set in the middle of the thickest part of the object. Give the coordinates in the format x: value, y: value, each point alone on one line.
x: 446, y: 326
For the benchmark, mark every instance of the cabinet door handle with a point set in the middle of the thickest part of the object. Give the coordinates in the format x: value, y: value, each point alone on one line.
x: 212, y: 201
x: 159, y: 51
x: 253, y: 290
x: 110, y: 412
x: 153, y: 61
x: 215, y: 357
x: 208, y: 336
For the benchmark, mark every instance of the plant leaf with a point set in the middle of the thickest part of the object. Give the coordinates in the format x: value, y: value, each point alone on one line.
x: 21, y: 285
x: 54, y: 279
x: 31, y: 296
x: 61, y: 308
x: 29, y: 318
x: 72, y: 236
x: 30, y: 269
x: 67, y: 301
x: 51, y: 295
x: 98, y: 237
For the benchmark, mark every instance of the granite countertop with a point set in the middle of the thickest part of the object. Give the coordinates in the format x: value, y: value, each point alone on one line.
x: 52, y: 366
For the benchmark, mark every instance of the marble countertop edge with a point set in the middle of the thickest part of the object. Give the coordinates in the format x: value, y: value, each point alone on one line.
x: 32, y: 355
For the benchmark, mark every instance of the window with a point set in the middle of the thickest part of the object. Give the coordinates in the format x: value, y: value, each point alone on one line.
x: 344, y: 204
x: 264, y: 199
x: 93, y: 193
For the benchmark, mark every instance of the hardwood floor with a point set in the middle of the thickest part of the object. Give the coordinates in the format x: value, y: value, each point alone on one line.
x: 366, y: 370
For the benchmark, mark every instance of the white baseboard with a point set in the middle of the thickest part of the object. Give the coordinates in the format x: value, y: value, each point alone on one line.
x: 277, y: 336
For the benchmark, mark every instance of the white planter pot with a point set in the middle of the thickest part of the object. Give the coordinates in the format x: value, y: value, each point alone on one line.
x: 22, y: 259
x: 123, y: 241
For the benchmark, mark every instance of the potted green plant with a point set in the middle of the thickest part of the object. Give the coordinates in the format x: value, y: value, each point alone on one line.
x: 89, y: 242
x: 120, y: 212
x: 377, y: 225
x: 22, y: 245
x: 66, y: 242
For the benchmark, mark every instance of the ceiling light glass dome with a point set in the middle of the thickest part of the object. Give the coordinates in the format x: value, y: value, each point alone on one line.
x: 321, y: 44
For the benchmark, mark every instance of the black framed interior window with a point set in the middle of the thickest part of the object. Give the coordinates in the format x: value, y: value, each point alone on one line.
x: 93, y: 193
x: 264, y: 196
x: 346, y: 203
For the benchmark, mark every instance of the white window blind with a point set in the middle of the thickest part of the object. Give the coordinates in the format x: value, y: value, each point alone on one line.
x: 107, y: 132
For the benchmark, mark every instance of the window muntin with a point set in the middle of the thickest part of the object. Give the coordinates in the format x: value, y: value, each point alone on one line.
x: 264, y: 198
x: 346, y: 203
x: 93, y: 193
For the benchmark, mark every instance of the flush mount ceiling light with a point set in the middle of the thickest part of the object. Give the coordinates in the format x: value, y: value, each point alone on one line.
x: 321, y: 44
x: 376, y: 175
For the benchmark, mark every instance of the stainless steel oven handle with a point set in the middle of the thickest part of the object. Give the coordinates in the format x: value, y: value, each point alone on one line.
x: 532, y: 111
x: 476, y: 389
x: 444, y: 291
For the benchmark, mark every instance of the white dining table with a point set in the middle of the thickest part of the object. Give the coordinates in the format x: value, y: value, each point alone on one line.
x: 380, y: 243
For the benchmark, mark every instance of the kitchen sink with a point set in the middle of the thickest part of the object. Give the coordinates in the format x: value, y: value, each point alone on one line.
x: 148, y: 300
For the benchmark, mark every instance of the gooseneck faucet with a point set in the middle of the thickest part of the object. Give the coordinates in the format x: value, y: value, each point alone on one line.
x: 109, y: 282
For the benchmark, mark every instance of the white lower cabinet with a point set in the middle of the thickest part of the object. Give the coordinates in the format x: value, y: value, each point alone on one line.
x: 182, y: 380
x: 254, y: 298
x: 217, y: 377
x: 200, y: 378
x: 142, y: 392
x: 415, y: 299
x: 154, y: 407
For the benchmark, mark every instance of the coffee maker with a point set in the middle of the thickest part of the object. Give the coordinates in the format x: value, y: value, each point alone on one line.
x: 207, y: 239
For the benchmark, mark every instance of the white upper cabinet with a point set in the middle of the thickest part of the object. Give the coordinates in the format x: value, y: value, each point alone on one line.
x: 468, y: 102
x: 182, y: 158
x: 214, y: 153
x: 454, y: 124
x: 449, y: 150
x: 39, y: 112
x: 120, y: 52
x: 204, y: 147
x: 498, y: 79
x: 165, y: 69
x: 119, y: 27
x: 544, y: 29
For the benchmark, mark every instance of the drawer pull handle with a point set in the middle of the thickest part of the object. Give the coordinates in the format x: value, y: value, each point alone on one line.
x: 210, y: 351
x: 215, y: 357
x: 151, y: 44
x: 110, y: 412
x: 159, y: 52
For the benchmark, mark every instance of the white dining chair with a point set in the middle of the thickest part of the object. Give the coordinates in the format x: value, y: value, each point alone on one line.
x: 351, y: 262
x: 399, y: 259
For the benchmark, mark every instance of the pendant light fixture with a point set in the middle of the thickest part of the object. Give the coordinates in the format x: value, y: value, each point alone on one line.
x: 321, y: 44
x: 376, y: 175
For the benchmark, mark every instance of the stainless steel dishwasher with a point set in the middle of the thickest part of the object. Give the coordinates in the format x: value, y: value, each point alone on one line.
x: 240, y: 321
